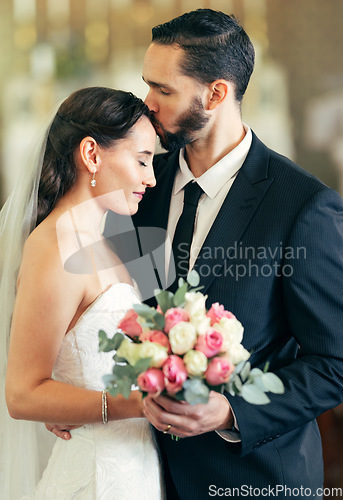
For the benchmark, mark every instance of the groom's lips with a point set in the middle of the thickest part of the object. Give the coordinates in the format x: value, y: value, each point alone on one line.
x: 156, y: 124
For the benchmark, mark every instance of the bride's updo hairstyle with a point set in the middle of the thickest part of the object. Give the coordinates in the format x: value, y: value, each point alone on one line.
x: 102, y: 113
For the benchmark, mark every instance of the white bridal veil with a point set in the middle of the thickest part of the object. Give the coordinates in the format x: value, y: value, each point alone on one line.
x: 19, y: 455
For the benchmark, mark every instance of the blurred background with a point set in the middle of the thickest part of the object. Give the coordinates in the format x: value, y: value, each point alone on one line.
x: 294, y: 102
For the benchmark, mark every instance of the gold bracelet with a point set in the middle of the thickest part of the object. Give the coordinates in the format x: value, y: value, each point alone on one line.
x: 104, y: 407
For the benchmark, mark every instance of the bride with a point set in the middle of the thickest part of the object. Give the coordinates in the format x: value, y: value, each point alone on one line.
x: 97, y: 157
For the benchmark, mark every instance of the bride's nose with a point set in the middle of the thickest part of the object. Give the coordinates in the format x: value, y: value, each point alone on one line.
x: 150, y: 180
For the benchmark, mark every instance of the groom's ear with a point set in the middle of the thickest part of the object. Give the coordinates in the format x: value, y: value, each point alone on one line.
x: 217, y: 93
x: 89, y: 152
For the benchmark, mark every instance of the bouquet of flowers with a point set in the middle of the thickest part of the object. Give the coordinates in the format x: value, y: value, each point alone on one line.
x: 184, y: 351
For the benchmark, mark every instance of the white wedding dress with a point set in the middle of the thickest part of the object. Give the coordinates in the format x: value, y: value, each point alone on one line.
x: 100, y: 462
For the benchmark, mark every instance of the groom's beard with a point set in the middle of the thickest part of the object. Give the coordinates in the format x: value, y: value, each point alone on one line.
x: 191, y: 121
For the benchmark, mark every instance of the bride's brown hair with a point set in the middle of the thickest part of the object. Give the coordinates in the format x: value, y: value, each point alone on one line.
x: 102, y: 113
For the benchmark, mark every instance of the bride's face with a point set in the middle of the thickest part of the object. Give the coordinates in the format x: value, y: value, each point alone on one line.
x: 125, y: 169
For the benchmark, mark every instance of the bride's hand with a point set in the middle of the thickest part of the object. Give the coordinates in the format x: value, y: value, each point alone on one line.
x: 61, y: 431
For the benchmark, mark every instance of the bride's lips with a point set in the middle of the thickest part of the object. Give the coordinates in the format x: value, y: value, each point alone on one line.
x: 139, y: 194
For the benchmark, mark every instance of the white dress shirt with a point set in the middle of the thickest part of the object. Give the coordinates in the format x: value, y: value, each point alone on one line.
x: 216, y: 183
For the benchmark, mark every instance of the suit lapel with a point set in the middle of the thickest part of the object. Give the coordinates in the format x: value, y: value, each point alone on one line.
x: 243, y: 199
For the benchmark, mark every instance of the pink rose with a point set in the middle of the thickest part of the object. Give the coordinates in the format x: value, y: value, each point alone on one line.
x: 218, y: 371
x: 217, y: 312
x: 151, y: 380
x: 174, y: 316
x: 210, y: 343
x: 155, y: 336
x: 175, y: 374
x: 129, y: 324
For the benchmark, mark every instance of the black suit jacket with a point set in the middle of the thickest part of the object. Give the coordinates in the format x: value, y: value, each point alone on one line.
x: 274, y: 257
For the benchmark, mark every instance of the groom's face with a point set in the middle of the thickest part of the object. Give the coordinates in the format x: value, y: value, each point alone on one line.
x: 174, y: 99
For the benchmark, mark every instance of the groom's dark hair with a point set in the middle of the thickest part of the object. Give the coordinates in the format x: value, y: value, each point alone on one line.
x: 215, y: 47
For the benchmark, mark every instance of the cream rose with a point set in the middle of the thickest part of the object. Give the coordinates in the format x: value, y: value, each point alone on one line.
x: 200, y: 322
x: 182, y: 337
x: 195, y: 303
x: 156, y: 352
x: 196, y: 362
x: 237, y: 353
x: 232, y: 331
x: 129, y: 351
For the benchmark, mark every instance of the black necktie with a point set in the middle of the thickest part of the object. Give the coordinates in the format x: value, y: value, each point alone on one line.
x: 184, y: 232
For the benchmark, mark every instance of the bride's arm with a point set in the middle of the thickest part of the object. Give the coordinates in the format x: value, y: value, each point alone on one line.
x: 47, y: 300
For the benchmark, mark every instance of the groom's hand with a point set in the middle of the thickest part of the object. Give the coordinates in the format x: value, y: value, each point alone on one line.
x: 61, y: 431
x: 188, y: 420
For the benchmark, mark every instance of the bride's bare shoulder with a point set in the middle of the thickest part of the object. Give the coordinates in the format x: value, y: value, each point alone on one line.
x: 44, y: 255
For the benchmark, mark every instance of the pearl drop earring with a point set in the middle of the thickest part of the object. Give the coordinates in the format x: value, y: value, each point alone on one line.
x: 93, y: 181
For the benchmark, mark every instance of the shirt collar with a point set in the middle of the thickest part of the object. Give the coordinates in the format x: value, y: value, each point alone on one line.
x: 214, y: 179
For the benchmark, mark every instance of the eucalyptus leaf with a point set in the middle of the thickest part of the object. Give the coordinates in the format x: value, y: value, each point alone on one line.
x: 117, y: 340
x: 193, y: 278
x: 117, y: 359
x: 105, y: 344
x: 141, y: 366
x: 197, y: 289
x: 238, y: 384
x: 196, y: 392
x: 181, y: 282
x: 256, y: 372
x: 114, y: 391
x: 123, y: 372
x: 159, y: 320
x: 254, y: 395
x: 124, y: 387
x: 231, y: 390
x: 179, y: 297
x: 108, y: 379
x: 244, y: 373
x: 234, y: 385
x: 164, y: 299
x: 144, y: 310
x: 258, y: 382
x: 238, y: 368
x: 102, y: 335
x: 273, y: 383
x: 148, y: 324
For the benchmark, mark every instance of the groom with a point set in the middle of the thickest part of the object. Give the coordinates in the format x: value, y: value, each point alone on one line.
x: 268, y: 245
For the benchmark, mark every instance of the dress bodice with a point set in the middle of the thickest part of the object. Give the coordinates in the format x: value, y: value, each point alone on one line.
x: 79, y: 361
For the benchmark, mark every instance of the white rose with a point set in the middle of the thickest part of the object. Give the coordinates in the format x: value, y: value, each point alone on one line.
x: 196, y: 362
x: 182, y: 337
x: 237, y: 353
x: 200, y: 322
x: 232, y: 331
x: 157, y: 352
x: 195, y: 303
x: 129, y: 351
